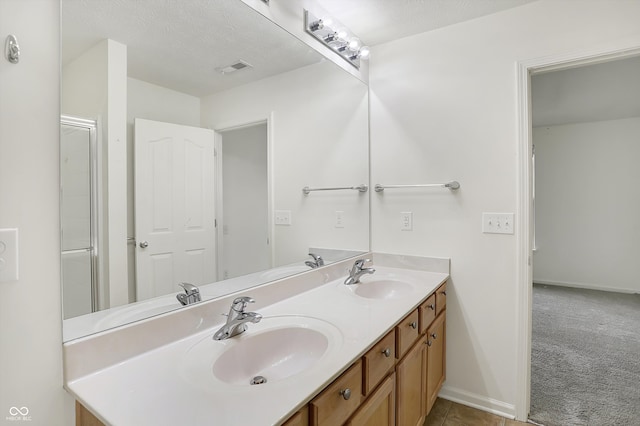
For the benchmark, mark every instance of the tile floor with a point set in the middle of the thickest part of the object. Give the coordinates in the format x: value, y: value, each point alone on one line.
x: 447, y: 413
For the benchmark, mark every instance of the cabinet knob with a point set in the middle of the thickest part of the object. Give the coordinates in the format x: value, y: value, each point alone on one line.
x: 414, y: 325
x: 428, y: 343
x: 434, y: 335
x: 432, y: 307
x: 386, y: 352
x: 443, y: 292
x: 346, y: 393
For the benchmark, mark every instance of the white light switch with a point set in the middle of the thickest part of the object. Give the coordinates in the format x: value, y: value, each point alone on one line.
x: 406, y: 221
x: 8, y: 255
x: 497, y: 223
x: 283, y: 217
x: 339, y: 219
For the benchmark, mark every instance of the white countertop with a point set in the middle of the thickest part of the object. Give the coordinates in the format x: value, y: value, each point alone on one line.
x: 169, y: 386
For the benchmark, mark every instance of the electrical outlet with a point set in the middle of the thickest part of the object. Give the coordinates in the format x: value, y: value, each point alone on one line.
x: 406, y: 221
x: 283, y: 217
x: 497, y: 223
x: 8, y: 255
x: 339, y: 219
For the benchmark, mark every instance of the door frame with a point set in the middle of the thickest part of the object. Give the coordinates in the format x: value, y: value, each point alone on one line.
x: 236, y: 125
x: 524, y: 221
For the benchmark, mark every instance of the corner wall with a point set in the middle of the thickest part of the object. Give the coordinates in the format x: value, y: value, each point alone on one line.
x: 30, y: 308
x: 443, y: 106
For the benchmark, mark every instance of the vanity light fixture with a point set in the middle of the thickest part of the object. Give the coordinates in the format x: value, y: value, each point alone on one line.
x: 336, y: 37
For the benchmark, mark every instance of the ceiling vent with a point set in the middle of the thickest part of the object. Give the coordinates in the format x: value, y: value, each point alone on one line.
x: 233, y: 67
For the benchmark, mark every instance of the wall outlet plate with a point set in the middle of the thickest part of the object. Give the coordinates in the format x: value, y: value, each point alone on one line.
x: 406, y: 221
x: 497, y: 223
x: 283, y: 217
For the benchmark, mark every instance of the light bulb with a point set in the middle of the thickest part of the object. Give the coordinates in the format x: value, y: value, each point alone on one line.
x: 364, y: 52
x: 317, y: 25
x: 354, y: 44
x: 342, y: 34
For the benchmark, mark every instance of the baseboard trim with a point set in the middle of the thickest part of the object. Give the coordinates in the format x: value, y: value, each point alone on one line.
x: 586, y: 286
x: 480, y: 402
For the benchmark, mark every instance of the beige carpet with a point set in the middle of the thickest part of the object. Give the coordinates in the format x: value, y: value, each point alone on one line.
x: 585, y: 366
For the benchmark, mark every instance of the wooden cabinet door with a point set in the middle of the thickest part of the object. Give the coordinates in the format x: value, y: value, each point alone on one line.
x: 301, y: 418
x: 85, y: 418
x: 410, y: 381
x: 436, y: 359
x: 380, y: 408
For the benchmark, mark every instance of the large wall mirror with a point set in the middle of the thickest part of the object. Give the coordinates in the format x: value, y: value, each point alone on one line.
x: 188, y: 132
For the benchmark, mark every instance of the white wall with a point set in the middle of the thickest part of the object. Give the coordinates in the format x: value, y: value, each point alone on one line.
x: 151, y: 102
x: 320, y: 139
x: 443, y: 106
x: 588, y: 205
x: 30, y: 308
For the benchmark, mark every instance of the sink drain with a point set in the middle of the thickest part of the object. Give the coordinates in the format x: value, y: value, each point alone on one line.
x: 258, y: 380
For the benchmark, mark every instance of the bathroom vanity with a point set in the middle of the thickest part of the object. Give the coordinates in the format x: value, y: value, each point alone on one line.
x: 324, y: 353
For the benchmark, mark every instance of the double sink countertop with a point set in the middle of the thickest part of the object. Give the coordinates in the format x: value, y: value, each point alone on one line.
x: 169, y: 370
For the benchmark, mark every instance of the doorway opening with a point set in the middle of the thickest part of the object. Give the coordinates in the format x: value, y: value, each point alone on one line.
x: 585, y: 127
x: 526, y: 257
x: 243, y: 200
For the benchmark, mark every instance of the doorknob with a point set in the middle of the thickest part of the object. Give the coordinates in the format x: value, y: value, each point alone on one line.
x: 144, y: 244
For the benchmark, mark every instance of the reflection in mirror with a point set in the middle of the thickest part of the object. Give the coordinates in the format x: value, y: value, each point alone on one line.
x: 189, y: 132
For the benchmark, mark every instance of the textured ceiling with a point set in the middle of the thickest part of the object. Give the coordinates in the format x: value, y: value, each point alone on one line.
x: 607, y: 91
x: 380, y: 21
x: 179, y: 43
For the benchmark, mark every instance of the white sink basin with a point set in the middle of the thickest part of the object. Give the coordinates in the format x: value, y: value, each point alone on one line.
x: 275, y: 349
x: 273, y: 355
x: 383, y: 289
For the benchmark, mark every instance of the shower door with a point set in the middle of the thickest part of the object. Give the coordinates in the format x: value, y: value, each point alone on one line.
x: 78, y: 216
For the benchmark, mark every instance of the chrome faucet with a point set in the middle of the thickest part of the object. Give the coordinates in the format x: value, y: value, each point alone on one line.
x: 357, y: 271
x: 191, y: 294
x: 316, y: 262
x: 237, y: 319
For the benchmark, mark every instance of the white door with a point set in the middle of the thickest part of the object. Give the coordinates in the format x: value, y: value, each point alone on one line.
x: 174, y: 210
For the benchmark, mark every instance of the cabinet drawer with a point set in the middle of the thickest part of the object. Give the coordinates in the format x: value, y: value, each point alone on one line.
x: 441, y: 298
x: 427, y: 313
x: 406, y: 333
x: 339, y: 400
x: 378, y: 361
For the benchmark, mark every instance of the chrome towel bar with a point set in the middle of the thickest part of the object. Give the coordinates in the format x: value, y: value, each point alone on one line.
x: 362, y: 188
x: 453, y: 185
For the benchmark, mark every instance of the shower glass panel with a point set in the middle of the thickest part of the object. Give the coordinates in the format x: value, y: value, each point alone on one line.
x: 78, y: 216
